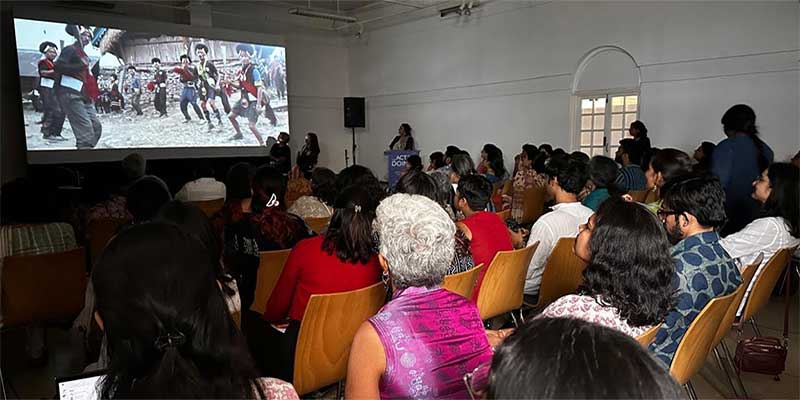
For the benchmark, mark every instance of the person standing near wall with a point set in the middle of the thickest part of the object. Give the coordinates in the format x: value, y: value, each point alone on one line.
x: 77, y: 89
x: 738, y: 161
x: 53, y: 118
x: 639, y: 133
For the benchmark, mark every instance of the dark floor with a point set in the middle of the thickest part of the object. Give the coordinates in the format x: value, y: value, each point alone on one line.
x: 66, y: 358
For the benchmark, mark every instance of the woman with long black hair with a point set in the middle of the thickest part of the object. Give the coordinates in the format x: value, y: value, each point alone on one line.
x: 738, y: 161
x: 168, y: 328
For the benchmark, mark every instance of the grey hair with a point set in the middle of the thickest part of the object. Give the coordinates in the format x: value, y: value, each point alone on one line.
x: 417, y: 238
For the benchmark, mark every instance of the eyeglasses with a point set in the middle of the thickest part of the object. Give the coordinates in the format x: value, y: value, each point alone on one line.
x: 664, y: 213
x: 477, y: 381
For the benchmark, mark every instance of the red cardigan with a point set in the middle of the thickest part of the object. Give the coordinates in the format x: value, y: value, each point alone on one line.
x: 310, y: 270
x: 489, y: 235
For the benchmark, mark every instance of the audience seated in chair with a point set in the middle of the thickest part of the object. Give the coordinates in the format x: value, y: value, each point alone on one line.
x: 572, y: 359
x: 777, y: 228
x: 203, y: 188
x: 603, y: 173
x: 104, y: 197
x: 145, y: 197
x: 323, y: 193
x: 631, y: 176
x: 627, y: 283
x: 487, y: 233
x: 440, y: 333
x: 665, y: 165
x: 341, y: 260
x: 361, y: 176
x: 177, y: 343
x: 566, y: 180
x: 417, y: 182
x: 238, y: 195
x: 530, y: 174
x: 30, y: 228
x: 268, y: 227
x: 692, y: 209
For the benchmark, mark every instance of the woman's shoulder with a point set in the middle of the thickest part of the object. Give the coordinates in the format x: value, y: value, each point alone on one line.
x: 276, y: 389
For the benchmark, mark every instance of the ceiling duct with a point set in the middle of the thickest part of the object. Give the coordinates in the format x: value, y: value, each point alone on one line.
x: 322, y: 15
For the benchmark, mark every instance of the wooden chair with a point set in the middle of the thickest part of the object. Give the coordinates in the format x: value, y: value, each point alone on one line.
x: 532, y: 205
x: 763, y: 285
x: 562, y: 274
x: 696, y: 343
x: 99, y: 233
x: 269, y: 270
x: 463, y: 283
x: 646, y: 338
x: 318, y: 224
x: 639, y: 195
x: 326, y: 334
x: 727, y: 322
x: 504, y: 281
x: 209, y: 207
x: 43, y: 288
x: 504, y: 215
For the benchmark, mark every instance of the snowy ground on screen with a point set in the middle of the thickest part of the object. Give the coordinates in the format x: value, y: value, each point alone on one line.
x: 127, y: 130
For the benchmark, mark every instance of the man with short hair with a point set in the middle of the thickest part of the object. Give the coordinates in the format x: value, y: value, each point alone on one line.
x: 160, y: 87
x: 485, y: 230
x: 136, y: 88
x: 53, y: 118
x: 77, y: 88
x: 208, y: 78
x: 248, y: 81
x: 566, y: 179
x: 188, y: 77
x: 631, y: 176
x: 692, y: 210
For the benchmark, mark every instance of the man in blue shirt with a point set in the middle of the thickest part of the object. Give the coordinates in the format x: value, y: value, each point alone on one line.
x: 136, y: 88
x: 693, y: 208
x: 631, y: 176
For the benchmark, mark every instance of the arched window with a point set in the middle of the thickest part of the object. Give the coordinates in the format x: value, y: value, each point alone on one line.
x: 606, y: 100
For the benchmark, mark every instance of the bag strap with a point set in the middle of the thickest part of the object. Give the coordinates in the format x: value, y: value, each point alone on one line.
x: 786, y: 278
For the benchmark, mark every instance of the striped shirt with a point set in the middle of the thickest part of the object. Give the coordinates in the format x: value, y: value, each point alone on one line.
x: 35, y: 239
x: 631, y: 177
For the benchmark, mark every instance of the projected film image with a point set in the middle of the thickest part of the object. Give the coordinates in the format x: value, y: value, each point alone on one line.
x: 94, y: 87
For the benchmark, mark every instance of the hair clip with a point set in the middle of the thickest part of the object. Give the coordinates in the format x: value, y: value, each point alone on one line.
x: 357, y: 208
x: 273, y: 201
x: 173, y: 339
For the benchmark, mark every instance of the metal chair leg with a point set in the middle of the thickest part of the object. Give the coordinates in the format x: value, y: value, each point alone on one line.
x: 514, y: 319
x: 725, y: 370
x: 733, y: 369
x: 690, y: 390
x: 340, y: 390
x: 521, y: 317
x: 3, y: 384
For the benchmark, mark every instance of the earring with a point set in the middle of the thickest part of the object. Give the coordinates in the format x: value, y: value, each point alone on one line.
x: 385, y: 278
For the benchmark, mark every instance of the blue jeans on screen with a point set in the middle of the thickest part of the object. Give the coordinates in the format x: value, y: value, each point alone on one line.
x: 189, y: 95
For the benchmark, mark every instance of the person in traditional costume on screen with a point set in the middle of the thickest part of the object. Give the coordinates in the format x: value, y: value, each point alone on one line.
x: 117, y: 102
x: 207, y: 83
x: 159, y: 84
x: 248, y: 81
x: 53, y: 117
x: 188, y: 76
x: 135, y: 85
x: 77, y: 88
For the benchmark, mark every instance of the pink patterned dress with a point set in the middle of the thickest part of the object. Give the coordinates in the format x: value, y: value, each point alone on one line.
x: 589, y: 309
x: 431, y: 338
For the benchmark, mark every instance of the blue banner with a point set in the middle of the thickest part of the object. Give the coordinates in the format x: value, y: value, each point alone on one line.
x: 397, y: 164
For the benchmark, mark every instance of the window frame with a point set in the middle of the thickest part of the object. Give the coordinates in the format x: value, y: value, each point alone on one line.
x: 577, y: 113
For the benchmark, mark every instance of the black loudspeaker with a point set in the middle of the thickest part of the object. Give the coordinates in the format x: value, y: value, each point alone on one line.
x: 354, y: 112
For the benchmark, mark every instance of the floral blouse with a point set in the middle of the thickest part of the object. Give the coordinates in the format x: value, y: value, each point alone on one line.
x: 310, y: 207
x: 524, y: 180
x: 590, y: 309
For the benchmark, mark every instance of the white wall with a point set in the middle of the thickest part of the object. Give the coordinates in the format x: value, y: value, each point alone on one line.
x: 505, y: 74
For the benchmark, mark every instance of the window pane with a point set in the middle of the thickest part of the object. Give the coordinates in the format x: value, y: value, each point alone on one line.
x: 616, y: 103
x: 600, y: 105
x: 586, y: 138
x: 629, y: 118
x: 631, y: 103
x: 616, y: 121
x: 616, y: 136
x: 587, y: 150
x: 599, y: 121
x: 597, y: 151
x: 612, y: 151
x: 586, y: 123
x: 586, y: 106
x: 598, y: 138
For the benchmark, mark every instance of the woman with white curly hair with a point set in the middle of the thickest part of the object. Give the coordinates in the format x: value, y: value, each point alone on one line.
x: 423, y: 341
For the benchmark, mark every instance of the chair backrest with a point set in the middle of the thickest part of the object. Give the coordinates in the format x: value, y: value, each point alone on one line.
x: 99, y: 233
x: 504, y: 215
x: 326, y: 334
x: 463, y: 283
x: 209, y: 207
x: 730, y: 314
x: 562, y: 274
x: 639, y: 195
x: 646, y: 338
x: 318, y: 224
x: 504, y: 281
x: 270, y: 267
x: 43, y: 288
x: 765, y: 282
x: 533, y: 204
x: 696, y: 342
